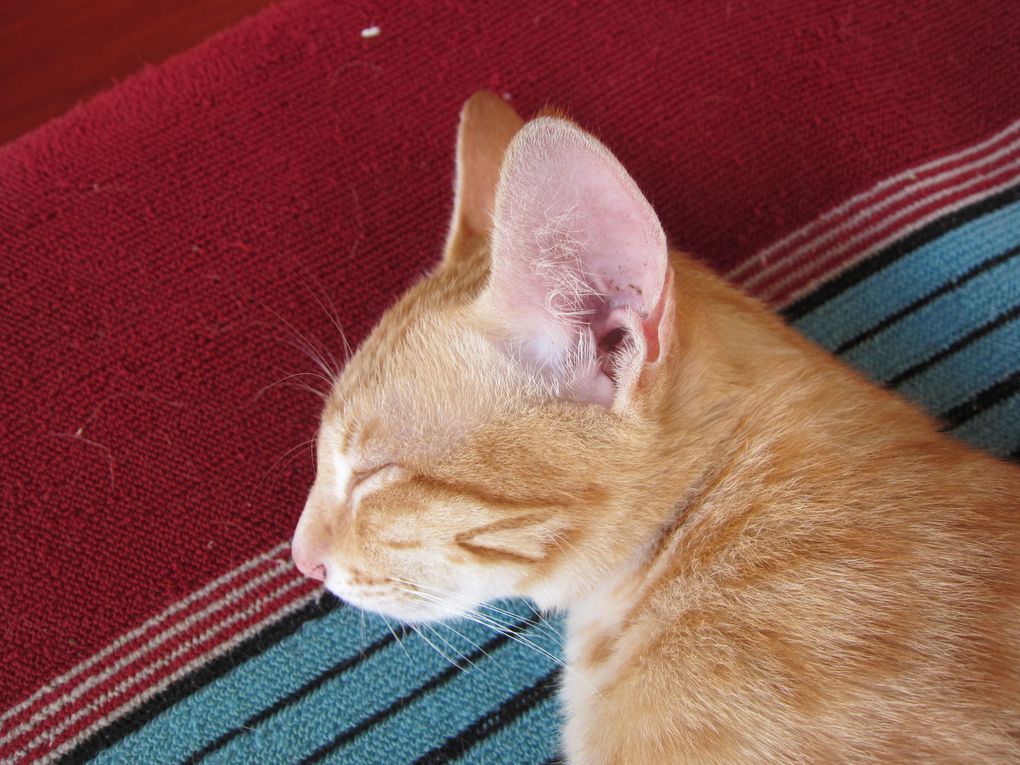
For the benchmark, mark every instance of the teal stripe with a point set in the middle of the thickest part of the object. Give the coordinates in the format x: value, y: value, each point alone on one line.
x: 341, y: 703
x: 996, y: 429
x: 936, y: 325
x: 452, y: 707
x: 226, y: 703
x: 299, y: 729
x: 911, y: 277
x: 526, y: 741
x: 958, y: 377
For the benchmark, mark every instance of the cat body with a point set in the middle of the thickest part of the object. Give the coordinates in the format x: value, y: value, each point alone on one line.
x: 838, y: 582
x: 763, y: 557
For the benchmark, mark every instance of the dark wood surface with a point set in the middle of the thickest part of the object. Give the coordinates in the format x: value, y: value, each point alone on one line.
x: 54, y: 53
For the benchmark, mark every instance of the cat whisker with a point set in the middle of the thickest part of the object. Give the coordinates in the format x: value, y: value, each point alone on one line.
x: 331, y: 312
x: 503, y: 629
x: 490, y: 622
x: 286, y: 381
x: 460, y: 654
x: 315, y: 351
x: 494, y: 621
x: 291, y: 452
x: 478, y: 647
x: 543, y: 625
x: 508, y: 631
x: 434, y: 647
x: 332, y: 316
x: 395, y: 637
x: 314, y: 356
x: 549, y: 628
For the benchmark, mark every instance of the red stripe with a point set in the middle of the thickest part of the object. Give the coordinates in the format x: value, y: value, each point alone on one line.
x: 101, y: 714
x: 819, y: 261
x: 795, y: 247
x: 825, y: 271
x: 143, y: 638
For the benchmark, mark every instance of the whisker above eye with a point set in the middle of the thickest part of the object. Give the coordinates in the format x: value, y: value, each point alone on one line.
x: 332, y: 315
x: 293, y: 381
x: 316, y: 351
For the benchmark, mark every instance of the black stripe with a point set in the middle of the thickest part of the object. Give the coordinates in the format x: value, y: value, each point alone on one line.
x: 954, y: 284
x: 883, y: 258
x: 198, y: 679
x: 983, y: 400
x: 556, y: 759
x: 459, y: 665
x: 294, y: 696
x: 973, y: 336
x: 1015, y: 455
x: 493, y: 721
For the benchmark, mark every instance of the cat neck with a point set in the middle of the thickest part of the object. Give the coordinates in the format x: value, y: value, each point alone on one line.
x: 749, y: 418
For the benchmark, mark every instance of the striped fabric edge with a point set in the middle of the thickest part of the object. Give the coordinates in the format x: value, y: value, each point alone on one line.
x: 937, y: 188
x: 859, y: 247
x: 56, y: 686
x: 496, y: 718
x: 117, y: 710
x: 145, y: 659
x: 79, y: 723
x: 847, y: 232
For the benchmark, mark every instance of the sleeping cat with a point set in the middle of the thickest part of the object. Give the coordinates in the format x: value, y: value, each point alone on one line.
x: 763, y: 557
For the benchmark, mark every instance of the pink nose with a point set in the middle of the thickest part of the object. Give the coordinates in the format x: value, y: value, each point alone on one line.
x: 307, y: 560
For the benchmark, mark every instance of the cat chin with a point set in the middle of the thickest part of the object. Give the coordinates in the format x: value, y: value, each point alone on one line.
x: 393, y: 608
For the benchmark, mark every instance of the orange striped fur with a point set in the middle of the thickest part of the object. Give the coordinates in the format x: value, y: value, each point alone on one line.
x: 763, y: 557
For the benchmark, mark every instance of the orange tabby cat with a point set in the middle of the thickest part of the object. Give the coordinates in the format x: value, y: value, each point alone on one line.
x: 764, y: 557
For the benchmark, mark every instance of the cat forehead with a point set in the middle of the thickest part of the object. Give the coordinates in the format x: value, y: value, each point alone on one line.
x: 441, y: 371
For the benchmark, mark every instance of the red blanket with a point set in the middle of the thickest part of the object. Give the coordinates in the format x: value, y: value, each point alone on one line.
x: 166, y: 247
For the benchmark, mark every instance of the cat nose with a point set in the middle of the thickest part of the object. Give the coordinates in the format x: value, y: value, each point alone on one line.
x: 311, y: 569
x: 308, y: 561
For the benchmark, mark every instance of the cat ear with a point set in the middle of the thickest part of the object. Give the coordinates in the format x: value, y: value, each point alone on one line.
x: 580, y: 283
x: 487, y: 124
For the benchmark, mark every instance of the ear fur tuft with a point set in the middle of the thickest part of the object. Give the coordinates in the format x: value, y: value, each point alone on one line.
x: 579, y: 262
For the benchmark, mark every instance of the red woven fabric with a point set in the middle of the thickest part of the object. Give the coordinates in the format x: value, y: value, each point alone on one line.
x: 162, y: 243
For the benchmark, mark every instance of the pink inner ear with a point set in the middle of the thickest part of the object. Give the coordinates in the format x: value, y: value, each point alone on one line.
x: 577, y: 250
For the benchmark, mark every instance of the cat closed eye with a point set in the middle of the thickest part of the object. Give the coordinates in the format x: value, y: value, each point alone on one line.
x: 359, y: 476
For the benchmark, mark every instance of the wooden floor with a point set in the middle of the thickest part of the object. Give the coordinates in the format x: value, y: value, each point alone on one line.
x: 54, y: 53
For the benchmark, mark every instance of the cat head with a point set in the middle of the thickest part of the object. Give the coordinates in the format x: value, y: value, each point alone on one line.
x: 478, y: 444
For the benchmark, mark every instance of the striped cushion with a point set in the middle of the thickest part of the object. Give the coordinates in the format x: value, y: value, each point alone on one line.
x: 151, y: 613
x: 932, y: 313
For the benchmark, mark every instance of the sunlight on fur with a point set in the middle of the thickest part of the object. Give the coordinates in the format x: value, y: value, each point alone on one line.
x: 762, y: 556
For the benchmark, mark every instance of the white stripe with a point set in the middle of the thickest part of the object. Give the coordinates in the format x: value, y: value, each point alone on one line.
x: 894, y: 236
x: 804, y: 250
x: 778, y: 287
x: 90, y: 682
x: 239, y: 615
x: 820, y: 222
x: 150, y: 691
x: 42, y: 715
x: 155, y: 621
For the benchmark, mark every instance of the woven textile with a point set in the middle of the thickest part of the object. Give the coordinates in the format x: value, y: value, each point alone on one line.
x: 169, y: 250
